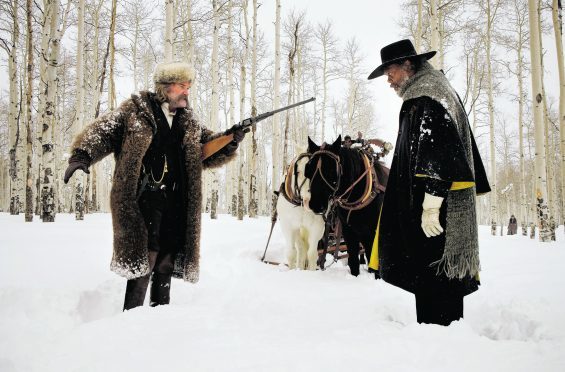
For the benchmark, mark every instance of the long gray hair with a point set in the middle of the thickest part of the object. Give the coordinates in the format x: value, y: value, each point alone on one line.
x: 161, y: 90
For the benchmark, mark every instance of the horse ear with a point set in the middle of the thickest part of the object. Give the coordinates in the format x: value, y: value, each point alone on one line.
x: 312, y: 147
x: 336, y: 145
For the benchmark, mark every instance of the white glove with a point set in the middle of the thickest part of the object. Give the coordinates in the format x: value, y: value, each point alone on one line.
x: 430, y: 215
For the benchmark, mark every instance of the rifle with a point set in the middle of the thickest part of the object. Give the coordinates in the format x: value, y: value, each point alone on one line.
x: 215, y: 145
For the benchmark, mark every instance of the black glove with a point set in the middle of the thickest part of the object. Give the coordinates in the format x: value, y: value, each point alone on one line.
x: 238, y: 136
x: 79, y: 160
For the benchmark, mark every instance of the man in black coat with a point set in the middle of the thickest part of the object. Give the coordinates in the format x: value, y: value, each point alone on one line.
x: 427, y: 240
x: 157, y: 185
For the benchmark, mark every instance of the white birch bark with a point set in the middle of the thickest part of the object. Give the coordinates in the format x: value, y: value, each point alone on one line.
x: 215, y: 103
x: 79, y: 177
x: 434, y: 32
x: 14, y: 128
x: 253, y: 203
x: 169, y: 16
x: 558, y: 32
x: 275, y: 149
x: 418, y: 38
x: 493, y: 175
x: 48, y: 208
x: 242, y: 95
x: 537, y: 107
x: 29, y: 92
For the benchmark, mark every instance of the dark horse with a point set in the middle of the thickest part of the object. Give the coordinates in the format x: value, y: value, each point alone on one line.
x: 349, y: 183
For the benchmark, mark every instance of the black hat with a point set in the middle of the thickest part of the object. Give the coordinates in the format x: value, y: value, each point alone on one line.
x: 397, y: 52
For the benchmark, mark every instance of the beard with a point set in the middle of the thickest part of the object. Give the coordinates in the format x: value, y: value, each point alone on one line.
x: 401, y: 84
x: 176, y: 102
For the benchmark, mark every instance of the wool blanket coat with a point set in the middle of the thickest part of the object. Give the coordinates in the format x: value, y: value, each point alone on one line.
x: 434, y: 142
x: 127, y: 132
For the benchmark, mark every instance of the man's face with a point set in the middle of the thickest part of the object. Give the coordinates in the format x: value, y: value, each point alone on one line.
x: 178, y: 95
x: 397, y: 75
x: 347, y: 143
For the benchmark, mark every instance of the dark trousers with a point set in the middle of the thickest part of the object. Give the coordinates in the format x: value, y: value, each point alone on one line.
x: 161, y: 213
x: 434, y: 309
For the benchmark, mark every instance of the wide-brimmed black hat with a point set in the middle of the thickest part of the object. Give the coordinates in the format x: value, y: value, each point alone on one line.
x: 397, y: 52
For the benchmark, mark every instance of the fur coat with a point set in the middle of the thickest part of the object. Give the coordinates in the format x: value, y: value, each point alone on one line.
x: 127, y: 132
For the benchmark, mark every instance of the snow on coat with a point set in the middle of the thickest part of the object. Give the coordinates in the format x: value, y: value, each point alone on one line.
x: 127, y: 132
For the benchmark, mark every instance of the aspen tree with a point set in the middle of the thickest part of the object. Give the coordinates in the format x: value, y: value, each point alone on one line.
x: 537, y: 107
x: 276, y: 168
x: 254, y: 152
x: 214, y: 107
x: 558, y: 32
x: 169, y: 9
x: 80, y: 94
x: 29, y: 92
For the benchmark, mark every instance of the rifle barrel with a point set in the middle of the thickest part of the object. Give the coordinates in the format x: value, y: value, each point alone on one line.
x: 271, y: 113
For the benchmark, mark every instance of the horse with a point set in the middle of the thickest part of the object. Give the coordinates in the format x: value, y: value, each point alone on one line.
x: 301, y: 227
x: 347, y: 183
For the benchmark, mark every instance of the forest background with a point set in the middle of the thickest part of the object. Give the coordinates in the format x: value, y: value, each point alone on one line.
x: 64, y: 63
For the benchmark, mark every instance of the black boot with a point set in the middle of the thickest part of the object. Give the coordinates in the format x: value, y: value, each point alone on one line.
x: 135, y: 292
x: 160, y: 289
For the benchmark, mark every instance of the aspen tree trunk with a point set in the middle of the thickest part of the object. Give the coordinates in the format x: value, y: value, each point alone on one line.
x: 523, y: 207
x: 242, y: 94
x: 548, y: 147
x: 48, y: 208
x: 558, y: 31
x: 537, y: 99
x: 169, y: 9
x: 254, y: 154
x: 29, y: 92
x: 231, y: 194
x: 111, y: 82
x: 291, y: 56
x: 79, y: 116
x: 215, y: 104
x: 15, y: 138
x: 418, y: 38
x: 275, y: 150
x: 493, y: 180
x: 434, y: 30
x: 324, y: 80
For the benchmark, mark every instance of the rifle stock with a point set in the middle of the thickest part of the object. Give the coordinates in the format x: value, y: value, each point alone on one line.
x: 211, y: 147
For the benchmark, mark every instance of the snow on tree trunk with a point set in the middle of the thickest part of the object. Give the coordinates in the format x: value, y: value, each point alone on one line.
x: 558, y: 31
x: 537, y: 107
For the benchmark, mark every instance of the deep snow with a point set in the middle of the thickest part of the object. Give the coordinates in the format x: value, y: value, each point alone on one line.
x: 60, y: 309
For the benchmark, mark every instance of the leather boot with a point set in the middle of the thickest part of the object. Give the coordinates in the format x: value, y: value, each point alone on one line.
x: 135, y: 292
x: 160, y: 289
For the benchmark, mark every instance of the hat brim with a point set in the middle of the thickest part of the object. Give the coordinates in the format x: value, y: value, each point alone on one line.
x: 379, y: 71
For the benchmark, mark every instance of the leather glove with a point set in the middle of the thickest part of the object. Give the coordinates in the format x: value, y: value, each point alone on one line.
x: 430, y: 215
x: 238, y: 136
x: 79, y: 160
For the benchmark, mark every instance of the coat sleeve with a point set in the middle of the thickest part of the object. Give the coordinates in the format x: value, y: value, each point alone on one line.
x: 437, y: 150
x: 101, y: 137
x: 220, y: 158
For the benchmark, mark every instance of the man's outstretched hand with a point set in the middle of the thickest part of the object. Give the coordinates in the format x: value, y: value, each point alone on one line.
x: 79, y: 160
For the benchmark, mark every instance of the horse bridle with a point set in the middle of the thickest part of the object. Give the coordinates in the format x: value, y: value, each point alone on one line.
x: 292, y: 189
x: 371, y: 185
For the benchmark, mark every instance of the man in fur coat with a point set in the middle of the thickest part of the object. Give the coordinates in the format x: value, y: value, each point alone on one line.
x: 156, y: 190
x: 427, y: 241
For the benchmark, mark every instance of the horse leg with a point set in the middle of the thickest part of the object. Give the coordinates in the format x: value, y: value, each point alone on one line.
x: 292, y: 249
x: 301, y: 247
x: 352, y: 250
x: 316, y: 232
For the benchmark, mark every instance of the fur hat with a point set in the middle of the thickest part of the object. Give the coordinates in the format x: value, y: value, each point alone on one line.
x: 173, y: 72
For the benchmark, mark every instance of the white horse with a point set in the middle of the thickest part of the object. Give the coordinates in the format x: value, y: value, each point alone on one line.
x: 301, y: 227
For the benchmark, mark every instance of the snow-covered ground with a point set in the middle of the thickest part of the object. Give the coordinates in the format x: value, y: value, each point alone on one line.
x: 60, y: 309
